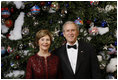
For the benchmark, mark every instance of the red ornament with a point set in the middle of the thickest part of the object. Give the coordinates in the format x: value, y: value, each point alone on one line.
x: 12, y: 10
x: 5, y: 12
x: 88, y: 21
x: 9, y: 49
x: 42, y: 3
x: 17, y: 57
x: 7, y: 35
x: 9, y: 23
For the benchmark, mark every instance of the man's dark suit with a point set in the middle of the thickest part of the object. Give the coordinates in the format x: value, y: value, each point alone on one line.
x: 87, y: 64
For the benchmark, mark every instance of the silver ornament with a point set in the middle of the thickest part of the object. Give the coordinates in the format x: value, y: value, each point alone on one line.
x: 21, y: 46
x: 45, y: 8
x: 60, y: 22
x: 31, y: 44
x: 3, y: 21
x: 25, y: 31
x: 36, y: 23
x: 64, y: 11
x: 62, y: 15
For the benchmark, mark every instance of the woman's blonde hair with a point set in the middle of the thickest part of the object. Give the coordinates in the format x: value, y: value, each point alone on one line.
x: 41, y: 34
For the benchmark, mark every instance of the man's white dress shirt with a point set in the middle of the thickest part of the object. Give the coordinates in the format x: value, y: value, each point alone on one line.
x: 72, y: 55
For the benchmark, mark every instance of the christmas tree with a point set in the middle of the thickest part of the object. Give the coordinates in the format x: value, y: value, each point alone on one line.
x: 20, y: 20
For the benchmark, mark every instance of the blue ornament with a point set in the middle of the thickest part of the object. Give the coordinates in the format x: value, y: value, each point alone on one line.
x: 115, y: 43
x: 60, y: 33
x: 5, y: 13
x: 95, y: 20
x: 51, y: 21
x: 110, y: 77
x: 1, y: 65
x: 3, y: 51
x: 35, y: 10
x: 12, y: 64
x: 66, y: 5
x: 48, y: 3
x: 78, y: 21
x: 104, y: 24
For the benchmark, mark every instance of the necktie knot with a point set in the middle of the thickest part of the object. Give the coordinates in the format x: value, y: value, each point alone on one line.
x: 74, y: 46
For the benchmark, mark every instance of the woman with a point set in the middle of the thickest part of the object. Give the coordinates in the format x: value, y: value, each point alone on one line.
x: 43, y: 65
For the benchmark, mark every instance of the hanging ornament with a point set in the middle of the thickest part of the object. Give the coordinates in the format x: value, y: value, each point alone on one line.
x: 14, y: 65
x: 45, y: 8
x: 1, y: 65
x: 115, y: 43
x: 34, y: 18
x: 66, y: 5
x: 56, y: 32
x: 9, y: 23
x: 25, y: 31
x: 5, y: 12
x: 21, y: 46
x: 48, y: 3
x: 102, y: 65
x: 51, y: 21
x: 111, y: 49
x: 3, y: 50
x: 55, y: 6
x: 110, y: 76
x: 78, y: 21
x: 12, y: 10
x: 36, y: 23
x: 91, y: 24
x: 9, y: 49
x: 35, y: 10
x: 29, y: 14
x: 61, y: 33
x: 17, y: 57
x: 94, y: 3
x: 91, y: 2
x: 3, y: 21
x: 88, y: 22
x: 60, y: 22
x: 104, y: 23
x: 93, y: 30
x: 62, y: 15
x: 7, y: 35
x: 109, y: 8
x: 42, y: 3
x: 64, y: 11
x: 31, y: 44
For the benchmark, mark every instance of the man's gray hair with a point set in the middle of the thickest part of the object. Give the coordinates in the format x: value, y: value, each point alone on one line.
x: 69, y: 22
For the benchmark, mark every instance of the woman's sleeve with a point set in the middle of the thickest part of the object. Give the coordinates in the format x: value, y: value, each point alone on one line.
x: 29, y: 70
x: 59, y: 73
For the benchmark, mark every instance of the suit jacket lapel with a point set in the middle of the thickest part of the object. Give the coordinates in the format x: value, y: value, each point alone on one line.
x: 66, y: 59
x: 79, y: 58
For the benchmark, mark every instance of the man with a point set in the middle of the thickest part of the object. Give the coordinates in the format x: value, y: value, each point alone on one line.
x: 78, y: 59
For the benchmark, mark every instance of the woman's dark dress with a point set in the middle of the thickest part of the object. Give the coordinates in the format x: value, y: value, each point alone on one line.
x: 39, y: 67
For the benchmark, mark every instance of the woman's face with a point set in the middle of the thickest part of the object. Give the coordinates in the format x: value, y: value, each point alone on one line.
x: 44, y: 43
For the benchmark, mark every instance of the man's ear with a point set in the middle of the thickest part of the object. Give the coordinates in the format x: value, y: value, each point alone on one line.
x: 78, y: 33
x: 63, y: 34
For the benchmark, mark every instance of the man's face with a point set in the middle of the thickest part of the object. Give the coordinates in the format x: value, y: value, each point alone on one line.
x: 70, y: 33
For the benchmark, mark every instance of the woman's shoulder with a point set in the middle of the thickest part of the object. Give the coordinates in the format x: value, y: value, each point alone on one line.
x: 54, y: 56
x: 33, y: 57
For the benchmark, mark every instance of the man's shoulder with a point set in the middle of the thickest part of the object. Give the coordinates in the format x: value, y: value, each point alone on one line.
x: 85, y: 44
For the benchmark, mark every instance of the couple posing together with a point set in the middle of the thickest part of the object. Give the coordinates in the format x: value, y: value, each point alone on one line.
x: 74, y: 60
